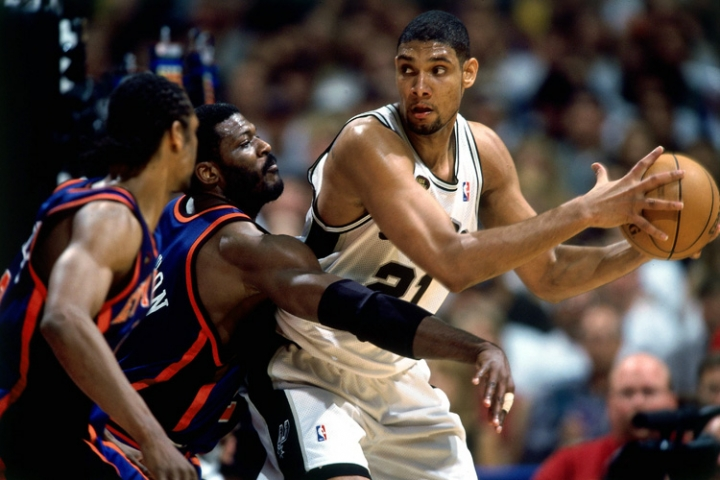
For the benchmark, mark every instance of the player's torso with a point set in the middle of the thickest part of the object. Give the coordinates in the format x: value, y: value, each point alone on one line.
x: 361, y: 252
x: 175, y: 357
x: 23, y: 292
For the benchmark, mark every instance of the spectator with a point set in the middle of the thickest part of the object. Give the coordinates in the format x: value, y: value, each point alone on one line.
x: 638, y: 383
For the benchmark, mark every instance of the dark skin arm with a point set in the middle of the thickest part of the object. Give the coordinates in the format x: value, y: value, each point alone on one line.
x: 286, y: 271
x: 95, y: 258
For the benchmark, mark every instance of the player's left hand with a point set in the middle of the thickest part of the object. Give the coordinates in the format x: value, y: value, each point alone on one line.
x: 132, y: 454
x: 493, y: 373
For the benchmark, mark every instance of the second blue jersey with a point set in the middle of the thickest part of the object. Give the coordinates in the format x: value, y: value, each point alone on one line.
x: 36, y: 394
x: 174, y: 357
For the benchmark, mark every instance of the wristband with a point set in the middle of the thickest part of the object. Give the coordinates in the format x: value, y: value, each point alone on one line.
x: 374, y: 317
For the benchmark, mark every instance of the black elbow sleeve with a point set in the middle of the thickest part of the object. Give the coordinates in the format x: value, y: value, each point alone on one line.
x: 373, y: 317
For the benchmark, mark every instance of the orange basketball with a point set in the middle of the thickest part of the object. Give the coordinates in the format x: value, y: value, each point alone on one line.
x: 689, y: 229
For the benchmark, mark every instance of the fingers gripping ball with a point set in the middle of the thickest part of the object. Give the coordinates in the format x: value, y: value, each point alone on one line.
x: 689, y: 229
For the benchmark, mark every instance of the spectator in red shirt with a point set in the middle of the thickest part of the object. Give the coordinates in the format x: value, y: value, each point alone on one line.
x: 638, y: 383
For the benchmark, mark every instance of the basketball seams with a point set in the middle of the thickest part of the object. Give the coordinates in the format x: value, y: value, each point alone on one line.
x: 678, y: 222
x: 703, y: 231
x: 699, y: 212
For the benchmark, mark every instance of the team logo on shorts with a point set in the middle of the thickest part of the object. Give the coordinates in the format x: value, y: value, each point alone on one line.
x: 466, y: 191
x: 283, y: 434
x: 321, y: 433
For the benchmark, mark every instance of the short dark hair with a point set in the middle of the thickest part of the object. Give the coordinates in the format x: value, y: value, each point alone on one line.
x: 443, y: 27
x: 208, y: 150
x: 140, y: 110
x: 209, y: 116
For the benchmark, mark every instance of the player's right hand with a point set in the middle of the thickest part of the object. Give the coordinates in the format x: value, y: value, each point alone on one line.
x: 165, y: 462
x: 493, y: 374
x: 614, y: 203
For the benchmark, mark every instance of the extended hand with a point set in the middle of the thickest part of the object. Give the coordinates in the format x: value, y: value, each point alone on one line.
x: 165, y: 462
x: 622, y: 201
x: 493, y: 369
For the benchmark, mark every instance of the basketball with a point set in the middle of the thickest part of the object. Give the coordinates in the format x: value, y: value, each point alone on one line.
x: 689, y: 229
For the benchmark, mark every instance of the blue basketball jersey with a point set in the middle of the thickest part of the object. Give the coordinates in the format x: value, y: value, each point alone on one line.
x: 174, y: 357
x: 34, y: 388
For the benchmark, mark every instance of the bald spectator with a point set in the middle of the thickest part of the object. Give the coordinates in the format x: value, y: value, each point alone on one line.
x: 638, y: 383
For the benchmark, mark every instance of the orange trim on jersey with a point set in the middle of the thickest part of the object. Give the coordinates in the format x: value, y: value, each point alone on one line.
x: 4, y: 282
x: 82, y: 201
x: 138, y: 297
x: 35, y: 305
x: 204, y: 324
x: 102, y: 457
x: 123, y: 437
x: 195, y: 407
x: 132, y: 284
x: 180, y: 217
x: 67, y: 183
x: 227, y: 414
x: 92, y: 433
x: 103, y: 319
x: 173, y: 368
x: 112, y: 446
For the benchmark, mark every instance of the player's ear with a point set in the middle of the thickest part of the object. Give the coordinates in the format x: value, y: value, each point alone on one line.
x: 470, y: 69
x: 178, y: 136
x: 208, y: 173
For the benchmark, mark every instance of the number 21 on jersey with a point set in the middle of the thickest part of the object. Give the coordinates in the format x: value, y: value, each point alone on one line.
x: 405, y: 277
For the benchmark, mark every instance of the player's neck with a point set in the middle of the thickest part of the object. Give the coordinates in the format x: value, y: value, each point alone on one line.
x: 437, y: 151
x: 208, y: 199
x: 149, y: 192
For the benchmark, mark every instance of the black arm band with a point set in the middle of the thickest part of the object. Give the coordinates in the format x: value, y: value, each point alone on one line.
x: 385, y: 321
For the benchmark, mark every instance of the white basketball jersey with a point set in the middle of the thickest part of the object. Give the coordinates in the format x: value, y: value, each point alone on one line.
x: 359, y: 251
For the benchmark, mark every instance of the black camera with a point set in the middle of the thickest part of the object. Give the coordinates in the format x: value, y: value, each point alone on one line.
x: 669, y: 456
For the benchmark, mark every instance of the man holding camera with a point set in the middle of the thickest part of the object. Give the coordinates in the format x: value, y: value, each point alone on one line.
x: 638, y: 383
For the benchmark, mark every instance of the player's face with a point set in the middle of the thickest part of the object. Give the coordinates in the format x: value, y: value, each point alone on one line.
x: 431, y: 82
x: 249, y: 169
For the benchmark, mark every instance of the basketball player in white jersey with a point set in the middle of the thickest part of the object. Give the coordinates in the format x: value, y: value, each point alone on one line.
x: 397, y: 200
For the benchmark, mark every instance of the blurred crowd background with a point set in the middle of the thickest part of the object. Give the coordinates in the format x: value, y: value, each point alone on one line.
x: 565, y: 83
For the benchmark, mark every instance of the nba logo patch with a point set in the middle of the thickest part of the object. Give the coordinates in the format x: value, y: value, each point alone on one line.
x: 321, y: 433
x: 466, y: 191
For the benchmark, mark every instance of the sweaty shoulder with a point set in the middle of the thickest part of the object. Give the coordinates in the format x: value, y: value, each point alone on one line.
x: 365, y: 155
x: 365, y: 142
x: 367, y: 133
x: 109, y: 231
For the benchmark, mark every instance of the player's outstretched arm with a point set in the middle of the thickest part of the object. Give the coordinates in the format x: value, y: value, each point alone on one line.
x: 565, y: 271
x: 384, y: 185
x: 79, y: 283
x: 288, y: 273
x: 435, y: 338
